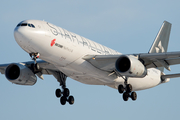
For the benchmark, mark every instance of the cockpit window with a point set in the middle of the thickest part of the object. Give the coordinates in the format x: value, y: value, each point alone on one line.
x: 19, y: 25
x: 29, y: 25
x: 32, y: 25
x: 26, y: 24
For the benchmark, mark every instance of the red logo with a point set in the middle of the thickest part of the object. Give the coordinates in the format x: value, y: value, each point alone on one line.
x: 53, y: 42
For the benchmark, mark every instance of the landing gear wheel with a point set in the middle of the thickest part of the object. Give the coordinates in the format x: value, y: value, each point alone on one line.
x: 71, y: 100
x: 129, y: 88
x: 133, y: 96
x: 63, y: 100
x: 58, y: 93
x: 66, y: 92
x: 121, y: 89
x: 37, y: 66
x: 126, y: 96
x: 61, y: 78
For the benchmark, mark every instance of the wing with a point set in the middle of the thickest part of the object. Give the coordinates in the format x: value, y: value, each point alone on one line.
x: 154, y: 60
x: 156, y: 57
x: 150, y: 60
x: 45, y: 68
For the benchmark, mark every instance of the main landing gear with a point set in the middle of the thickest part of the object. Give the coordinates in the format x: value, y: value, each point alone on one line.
x: 64, y: 94
x: 127, y: 91
x: 61, y: 77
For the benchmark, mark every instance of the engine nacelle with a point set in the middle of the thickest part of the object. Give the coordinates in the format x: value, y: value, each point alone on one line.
x: 20, y: 74
x: 130, y: 66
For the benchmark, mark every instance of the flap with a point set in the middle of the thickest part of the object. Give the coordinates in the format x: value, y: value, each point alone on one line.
x: 103, y: 62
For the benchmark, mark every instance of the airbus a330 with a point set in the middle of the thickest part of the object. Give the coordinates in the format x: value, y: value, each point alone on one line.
x: 65, y: 54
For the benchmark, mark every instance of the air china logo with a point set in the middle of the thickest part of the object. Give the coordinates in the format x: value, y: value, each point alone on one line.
x: 53, y: 42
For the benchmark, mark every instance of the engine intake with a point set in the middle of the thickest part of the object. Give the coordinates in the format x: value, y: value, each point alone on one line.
x: 20, y: 74
x: 123, y: 64
x: 130, y: 66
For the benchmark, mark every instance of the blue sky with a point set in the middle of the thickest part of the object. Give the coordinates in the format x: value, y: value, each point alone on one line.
x: 126, y: 26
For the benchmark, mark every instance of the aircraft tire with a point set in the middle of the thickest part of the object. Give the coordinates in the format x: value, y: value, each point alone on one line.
x: 63, y: 100
x: 66, y: 92
x: 133, y: 96
x: 129, y: 88
x: 58, y: 93
x: 121, y: 89
x: 37, y: 66
x: 71, y: 100
x: 126, y: 96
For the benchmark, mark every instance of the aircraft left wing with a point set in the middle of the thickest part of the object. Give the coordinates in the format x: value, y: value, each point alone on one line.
x: 149, y: 60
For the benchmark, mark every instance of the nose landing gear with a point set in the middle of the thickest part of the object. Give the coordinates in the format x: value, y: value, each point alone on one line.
x: 35, y: 66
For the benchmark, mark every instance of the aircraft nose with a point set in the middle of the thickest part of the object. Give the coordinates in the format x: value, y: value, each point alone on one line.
x: 22, y: 38
x: 18, y: 35
x: 28, y: 33
x: 23, y: 32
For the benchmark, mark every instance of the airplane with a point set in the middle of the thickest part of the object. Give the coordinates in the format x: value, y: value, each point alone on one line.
x: 63, y: 54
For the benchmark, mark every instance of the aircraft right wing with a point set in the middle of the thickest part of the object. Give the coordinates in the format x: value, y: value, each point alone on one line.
x: 150, y: 60
x: 160, y: 59
x: 44, y: 68
x: 157, y: 57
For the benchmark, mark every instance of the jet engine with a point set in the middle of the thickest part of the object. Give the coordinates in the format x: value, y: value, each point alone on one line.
x: 20, y: 74
x: 130, y: 66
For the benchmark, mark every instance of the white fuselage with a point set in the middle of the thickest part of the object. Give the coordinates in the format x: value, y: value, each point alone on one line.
x: 65, y: 50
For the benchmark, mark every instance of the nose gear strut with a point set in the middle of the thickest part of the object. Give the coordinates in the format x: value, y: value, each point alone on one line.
x: 35, y: 66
